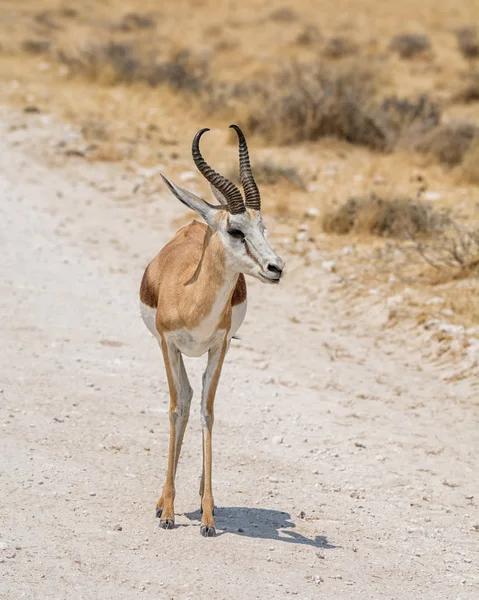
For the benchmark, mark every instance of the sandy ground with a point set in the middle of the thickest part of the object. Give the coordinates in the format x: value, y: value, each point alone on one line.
x: 344, y: 464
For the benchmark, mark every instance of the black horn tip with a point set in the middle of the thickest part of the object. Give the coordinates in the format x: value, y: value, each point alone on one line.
x: 237, y: 129
x: 199, y: 133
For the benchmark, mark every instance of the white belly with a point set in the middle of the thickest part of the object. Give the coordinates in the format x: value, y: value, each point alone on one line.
x: 199, y: 340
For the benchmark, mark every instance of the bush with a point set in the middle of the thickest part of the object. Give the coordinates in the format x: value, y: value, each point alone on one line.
x: 268, y: 172
x: 339, y: 47
x: 308, y: 103
x: 448, y: 143
x: 470, y: 91
x: 121, y: 63
x: 396, y: 217
x: 408, y: 45
x: 468, y: 41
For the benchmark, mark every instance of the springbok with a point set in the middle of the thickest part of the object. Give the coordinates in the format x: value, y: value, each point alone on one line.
x: 193, y: 300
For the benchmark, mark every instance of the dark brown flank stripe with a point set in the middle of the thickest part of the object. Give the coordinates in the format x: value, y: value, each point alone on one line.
x: 239, y: 294
x: 148, y: 292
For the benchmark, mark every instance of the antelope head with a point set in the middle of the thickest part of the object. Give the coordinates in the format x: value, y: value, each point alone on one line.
x: 235, y: 220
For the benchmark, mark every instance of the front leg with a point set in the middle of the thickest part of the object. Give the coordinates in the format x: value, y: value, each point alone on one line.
x: 211, y: 377
x: 180, y: 401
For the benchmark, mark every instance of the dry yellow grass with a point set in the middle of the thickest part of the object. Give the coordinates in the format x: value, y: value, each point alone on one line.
x: 138, y: 78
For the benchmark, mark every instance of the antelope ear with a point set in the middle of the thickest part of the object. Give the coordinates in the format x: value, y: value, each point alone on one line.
x: 219, y: 196
x: 202, y: 208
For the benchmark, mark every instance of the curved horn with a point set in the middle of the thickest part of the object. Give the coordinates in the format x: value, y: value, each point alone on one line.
x: 223, y: 185
x: 251, y: 191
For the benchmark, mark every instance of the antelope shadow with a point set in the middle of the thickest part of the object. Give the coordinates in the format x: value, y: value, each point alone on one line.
x: 260, y: 523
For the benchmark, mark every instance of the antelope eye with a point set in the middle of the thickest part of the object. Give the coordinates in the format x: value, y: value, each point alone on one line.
x: 236, y: 233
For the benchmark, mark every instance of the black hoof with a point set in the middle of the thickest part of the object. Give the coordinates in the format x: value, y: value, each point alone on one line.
x: 167, y: 523
x: 158, y: 512
x: 207, y: 531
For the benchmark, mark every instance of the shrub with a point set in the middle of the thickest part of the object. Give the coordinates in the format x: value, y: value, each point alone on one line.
x: 397, y: 217
x: 339, y: 47
x: 308, y: 103
x: 121, y: 63
x: 36, y: 46
x: 448, y: 143
x: 268, y: 172
x: 408, y: 45
x: 468, y: 41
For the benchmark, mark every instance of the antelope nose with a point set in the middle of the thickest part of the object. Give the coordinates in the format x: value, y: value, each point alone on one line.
x: 275, y: 270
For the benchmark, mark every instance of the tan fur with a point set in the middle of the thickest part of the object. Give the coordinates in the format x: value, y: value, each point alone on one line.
x: 184, y: 278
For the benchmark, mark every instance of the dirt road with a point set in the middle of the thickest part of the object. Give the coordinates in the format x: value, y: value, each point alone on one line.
x: 344, y: 466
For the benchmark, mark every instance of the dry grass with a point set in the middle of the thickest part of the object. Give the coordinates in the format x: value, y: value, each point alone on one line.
x: 454, y: 253
x: 469, y: 170
x: 270, y: 172
x: 448, y: 143
x: 359, y: 114
x: 470, y: 90
x: 468, y: 41
x: 409, y: 45
x: 310, y: 102
x: 396, y: 217
x: 113, y: 63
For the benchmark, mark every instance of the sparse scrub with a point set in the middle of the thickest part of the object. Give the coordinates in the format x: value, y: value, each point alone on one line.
x: 468, y: 41
x: 117, y: 62
x: 469, y: 170
x: 36, y: 46
x: 408, y: 45
x: 396, y: 217
x: 283, y: 15
x: 470, y: 91
x: 448, y: 143
x: 455, y: 251
x: 308, y: 103
x: 311, y: 102
x: 309, y: 36
x: 133, y: 21
x: 269, y: 172
x: 339, y: 47
x: 407, y: 119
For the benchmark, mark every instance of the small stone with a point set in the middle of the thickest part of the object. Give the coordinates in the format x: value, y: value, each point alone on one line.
x: 303, y: 227
x: 277, y: 439
x: 92, y: 493
x: 320, y: 555
x: 117, y: 528
x: 432, y: 196
x: 312, y: 212
x: 301, y: 514
x: 273, y: 479
x: 302, y: 236
x: 240, y: 530
x: 329, y: 265
x: 436, y: 300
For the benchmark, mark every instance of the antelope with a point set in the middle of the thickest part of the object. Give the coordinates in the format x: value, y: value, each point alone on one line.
x: 193, y: 300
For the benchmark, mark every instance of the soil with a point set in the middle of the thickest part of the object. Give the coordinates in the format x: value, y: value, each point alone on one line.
x: 345, y: 463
